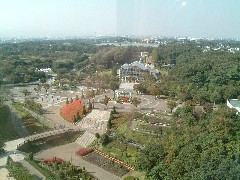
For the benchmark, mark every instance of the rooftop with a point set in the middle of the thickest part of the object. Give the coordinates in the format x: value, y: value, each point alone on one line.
x: 235, y: 102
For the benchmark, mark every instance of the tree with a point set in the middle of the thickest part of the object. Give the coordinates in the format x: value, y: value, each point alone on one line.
x: 84, y: 110
x: 109, y: 124
x: 89, y: 94
x: 67, y: 102
x: 78, y: 116
x: 26, y: 92
x: 104, y: 139
x: 43, y: 80
x: 46, y: 86
x: 30, y: 156
x: 105, y: 101
x: 140, y: 88
x: 90, y: 106
x: 155, y: 56
x: 60, y: 174
x: 151, y: 155
x: 97, y: 135
x: 74, y: 118
x: 38, y: 88
x: 171, y: 104
x: 114, y: 110
x: 136, y: 101
x: 9, y: 161
x: 114, y: 84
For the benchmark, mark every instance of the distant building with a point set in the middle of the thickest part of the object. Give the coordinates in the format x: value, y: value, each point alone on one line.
x: 182, y: 39
x: 46, y: 70
x: 234, y: 103
x: 131, y: 72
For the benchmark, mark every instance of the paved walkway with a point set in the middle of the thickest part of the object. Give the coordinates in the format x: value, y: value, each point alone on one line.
x: 17, y: 120
x: 11, y: 146
x: 86, y: 139
x: 35, y: 173
x: 67, y: 152
x: 4, y: 174
x: 96, y: 120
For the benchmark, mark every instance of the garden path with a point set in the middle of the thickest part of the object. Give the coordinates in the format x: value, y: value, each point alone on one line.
x: 86, y: 139
x: 34, y: 172
x: 95, y: 121
x: 5, y: 174
x: 67, y: 152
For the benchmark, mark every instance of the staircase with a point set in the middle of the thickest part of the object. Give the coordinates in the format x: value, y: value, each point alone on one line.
x: 86, y: 139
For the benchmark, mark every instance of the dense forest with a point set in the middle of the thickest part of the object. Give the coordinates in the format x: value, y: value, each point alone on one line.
x: 69, y: 59
x: 212, y: 76
x: 200, y: 144
x: 205, y: 147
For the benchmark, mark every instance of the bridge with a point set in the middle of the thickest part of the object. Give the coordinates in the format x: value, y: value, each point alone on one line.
x: 17, y: 143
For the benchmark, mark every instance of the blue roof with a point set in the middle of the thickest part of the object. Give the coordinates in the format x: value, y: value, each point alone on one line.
x: 235, y: 102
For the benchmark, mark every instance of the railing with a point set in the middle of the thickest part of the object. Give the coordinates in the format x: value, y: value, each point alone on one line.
x: 44, y: 135
x: 113, y: 159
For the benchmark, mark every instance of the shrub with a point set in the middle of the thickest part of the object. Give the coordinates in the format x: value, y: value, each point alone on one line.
x: 130, y: 178
x: 97, y: 135
x: 105, y: 139
x: 30, y: 156
x: 114, y: 110
x: 84, y: 151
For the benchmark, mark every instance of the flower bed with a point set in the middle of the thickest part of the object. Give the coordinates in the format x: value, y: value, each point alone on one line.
x: 84, y: 151
x: 125, y: 99
x: 51, y: 161
x: 106, y: 164
x: 114, y: 159
x: 96, y: 159
x: 70, y: 110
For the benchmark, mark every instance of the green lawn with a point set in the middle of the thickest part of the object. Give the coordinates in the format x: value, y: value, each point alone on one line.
x: 7, y: 131
x: 128, y: 156
x: 134, y: 136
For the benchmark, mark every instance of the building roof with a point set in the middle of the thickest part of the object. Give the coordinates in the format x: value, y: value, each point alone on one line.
x: 134, y: 64
x: 235, y: 102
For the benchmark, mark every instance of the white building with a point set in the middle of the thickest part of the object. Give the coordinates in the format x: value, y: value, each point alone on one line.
x: 131, y: 72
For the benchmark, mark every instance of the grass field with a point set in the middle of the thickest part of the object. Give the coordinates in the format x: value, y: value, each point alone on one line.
x: 7, y: 131
x: 134, y: 136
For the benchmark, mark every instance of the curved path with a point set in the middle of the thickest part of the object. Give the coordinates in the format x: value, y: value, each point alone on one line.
x: 11, y: 146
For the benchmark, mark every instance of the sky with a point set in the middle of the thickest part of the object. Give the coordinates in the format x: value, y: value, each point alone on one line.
x: 194, y: 18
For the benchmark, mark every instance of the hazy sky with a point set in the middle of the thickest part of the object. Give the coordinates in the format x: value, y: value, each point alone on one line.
x: 205, y: 18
